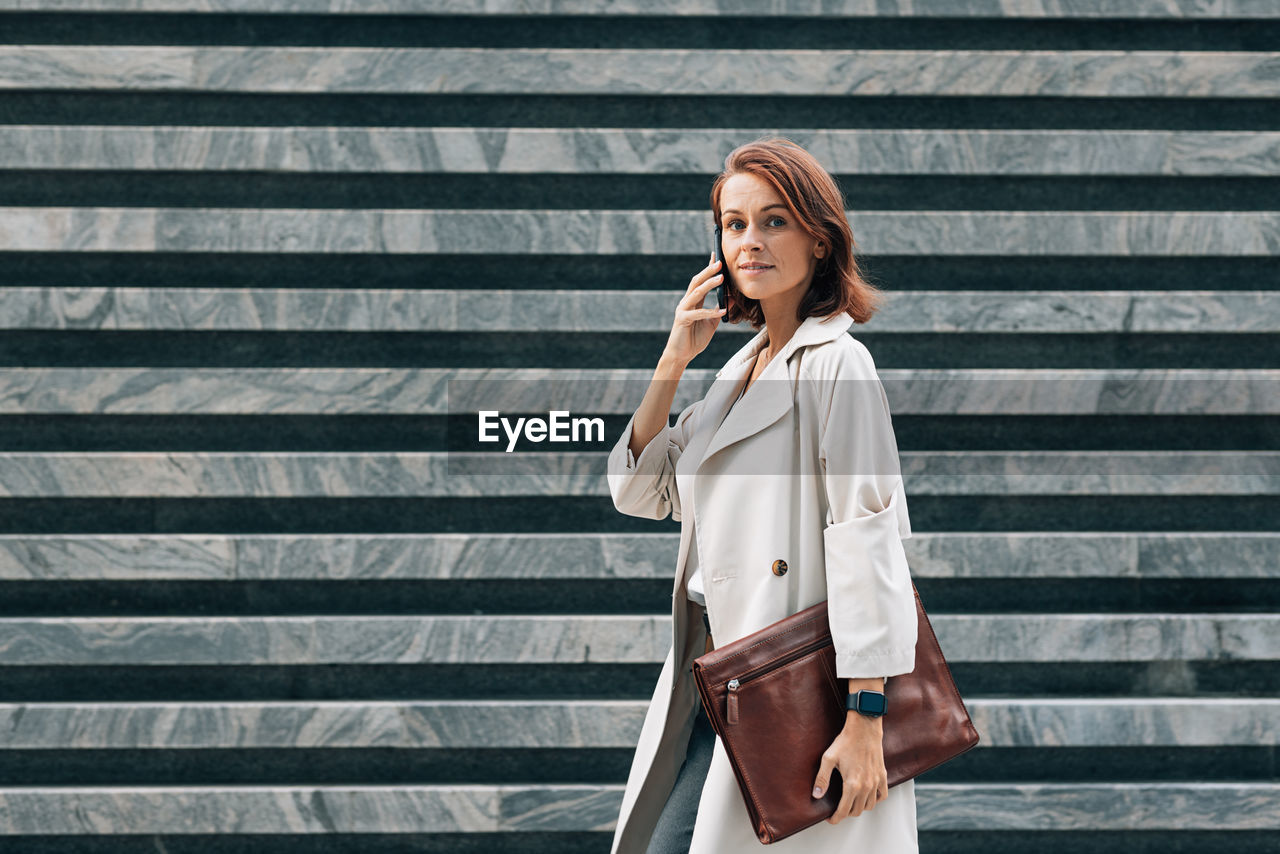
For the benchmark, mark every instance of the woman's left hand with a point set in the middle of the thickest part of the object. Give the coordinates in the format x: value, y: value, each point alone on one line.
x: 858, y: 754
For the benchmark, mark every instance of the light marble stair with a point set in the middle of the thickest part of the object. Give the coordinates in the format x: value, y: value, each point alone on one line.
x: 58, y: 811
x: 445, y: 310
x: 496, y: 724
x: 426, y: 391
x: 563, y: 71
x: 570, y: 639
x: 635, y: 151
x: 605, y: 557
x: 622, y: 232
x: 579, y: 473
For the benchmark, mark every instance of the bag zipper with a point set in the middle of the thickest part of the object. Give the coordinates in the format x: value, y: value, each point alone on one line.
x: 731, y: 699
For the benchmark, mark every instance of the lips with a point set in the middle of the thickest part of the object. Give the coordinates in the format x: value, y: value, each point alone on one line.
x: 756, y: 267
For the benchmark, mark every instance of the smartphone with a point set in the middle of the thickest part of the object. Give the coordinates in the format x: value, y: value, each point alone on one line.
x: 722, y: 290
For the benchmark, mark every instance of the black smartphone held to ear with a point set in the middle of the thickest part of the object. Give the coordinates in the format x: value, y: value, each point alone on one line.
x: 722, y: 290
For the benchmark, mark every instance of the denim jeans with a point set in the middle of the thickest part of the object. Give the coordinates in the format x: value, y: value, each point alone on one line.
x: 674, y: 831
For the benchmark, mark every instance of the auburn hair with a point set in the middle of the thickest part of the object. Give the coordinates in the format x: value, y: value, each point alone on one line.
x: 815, y: 200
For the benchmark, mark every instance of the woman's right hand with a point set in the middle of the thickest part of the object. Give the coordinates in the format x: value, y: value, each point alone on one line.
x: 693, y: 326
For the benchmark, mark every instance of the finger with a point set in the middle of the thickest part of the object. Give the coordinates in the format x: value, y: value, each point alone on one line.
x: 824, y: 777
x: 702, y: 275
x: 695, y: 316
x: 696, y: 294
x: 845, y: 805
x: 714, y: 281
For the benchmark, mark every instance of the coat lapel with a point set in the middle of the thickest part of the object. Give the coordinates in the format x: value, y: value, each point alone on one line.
x: 769, y: 401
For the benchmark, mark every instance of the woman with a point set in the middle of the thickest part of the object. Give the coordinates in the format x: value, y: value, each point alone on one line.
x: 784, y: 478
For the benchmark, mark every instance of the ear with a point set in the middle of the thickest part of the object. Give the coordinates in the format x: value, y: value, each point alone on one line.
x: 820, y: 251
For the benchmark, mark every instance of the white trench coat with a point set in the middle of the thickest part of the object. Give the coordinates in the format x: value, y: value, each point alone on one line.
x: 804, y: 468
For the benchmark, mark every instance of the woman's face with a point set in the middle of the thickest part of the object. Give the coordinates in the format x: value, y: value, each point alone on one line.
x: 766, y: 250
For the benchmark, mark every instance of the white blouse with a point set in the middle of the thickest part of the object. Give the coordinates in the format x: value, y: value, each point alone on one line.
x: 694, y: 587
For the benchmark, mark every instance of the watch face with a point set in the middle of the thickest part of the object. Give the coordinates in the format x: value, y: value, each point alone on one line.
x: 871, y: 703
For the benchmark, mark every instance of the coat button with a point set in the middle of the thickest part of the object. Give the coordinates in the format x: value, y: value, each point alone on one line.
x: 779, y: 567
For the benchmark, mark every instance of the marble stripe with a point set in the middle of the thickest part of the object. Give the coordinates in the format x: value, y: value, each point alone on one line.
x: 609, y: 232
x: 335, y: 640
x: 589, y: 724
x: 322, y: 640
x: 62, y: 811
x: 1158, y: 9
x: 1126, y: 722
x: 217, y: 810
x: 595, y: 639
x: 636, y: 151
x: 110, y: 474
x: 1085, y: 555
x: 337, y: 724
x: 553, y: 71
x: 603, y: 557
x: 409, y: 725
x: 1091, y: 473
x: 111, y: 308
x: 121, y: 557
x: 1108, y: 637
x: 1099, y: 807
x: 425, y: 391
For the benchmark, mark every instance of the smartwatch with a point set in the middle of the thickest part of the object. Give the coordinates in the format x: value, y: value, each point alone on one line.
x: 866, y: 702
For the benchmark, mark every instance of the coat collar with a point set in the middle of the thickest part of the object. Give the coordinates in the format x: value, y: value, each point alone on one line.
x: 812, y: 330
x: 769, y: 400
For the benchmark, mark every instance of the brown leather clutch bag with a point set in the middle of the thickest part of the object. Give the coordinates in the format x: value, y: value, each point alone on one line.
x: 775, y: 701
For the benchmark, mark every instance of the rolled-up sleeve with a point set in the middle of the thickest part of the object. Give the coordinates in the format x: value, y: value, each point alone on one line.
x: 870, y: 602
x: 647, y: 486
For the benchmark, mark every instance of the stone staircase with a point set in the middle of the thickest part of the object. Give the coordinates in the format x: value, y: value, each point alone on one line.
x: 248, y: 247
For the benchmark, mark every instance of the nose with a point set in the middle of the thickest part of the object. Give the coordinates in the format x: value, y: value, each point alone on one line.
x: 751, y: 240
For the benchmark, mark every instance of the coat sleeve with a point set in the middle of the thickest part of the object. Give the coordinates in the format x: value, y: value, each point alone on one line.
x: 870, y: 602
x: 647, y: 486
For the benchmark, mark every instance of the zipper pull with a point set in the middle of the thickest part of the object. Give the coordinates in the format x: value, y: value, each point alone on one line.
x: 731, y: 703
